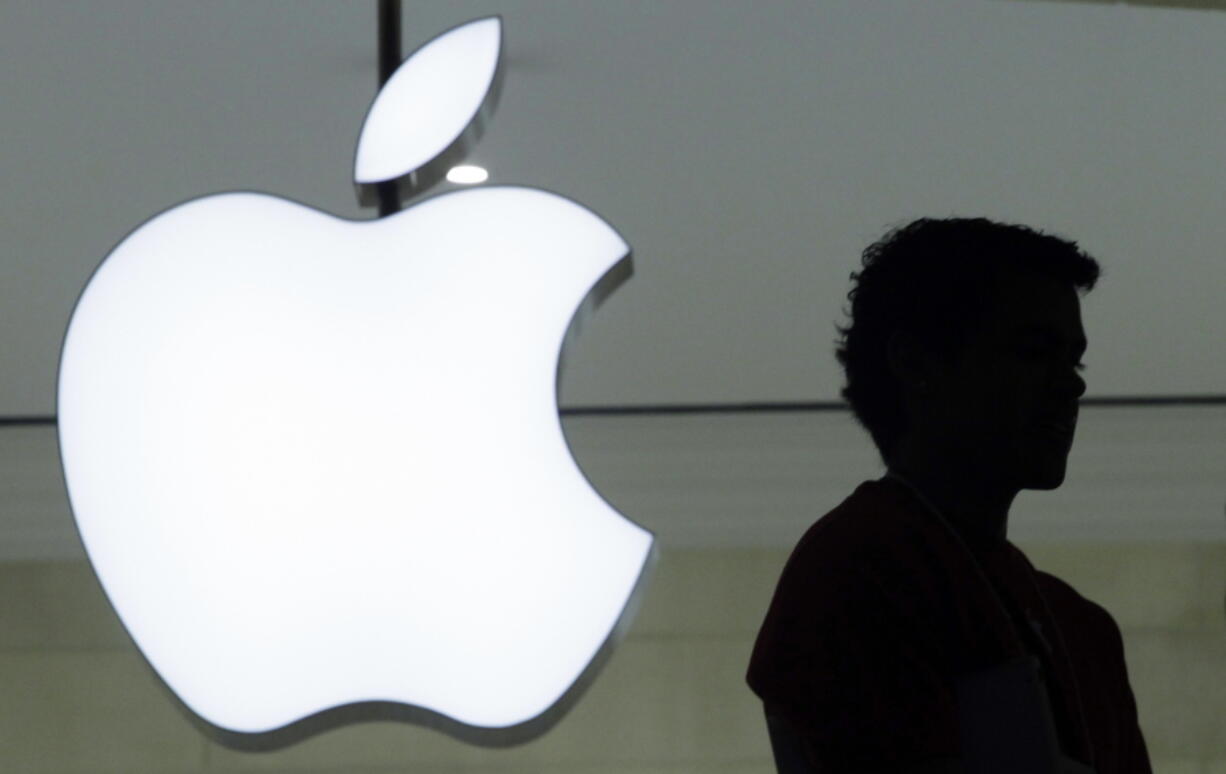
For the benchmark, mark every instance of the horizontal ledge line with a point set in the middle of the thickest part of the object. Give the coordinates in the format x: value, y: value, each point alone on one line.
x: 816, y: 406
x: 765, y: 408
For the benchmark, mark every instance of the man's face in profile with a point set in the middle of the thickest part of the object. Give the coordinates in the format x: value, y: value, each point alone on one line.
x: 1019, y: 374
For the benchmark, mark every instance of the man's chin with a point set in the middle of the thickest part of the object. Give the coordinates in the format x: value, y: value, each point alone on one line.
x: 1046, y: 478
x: 1045, y: 486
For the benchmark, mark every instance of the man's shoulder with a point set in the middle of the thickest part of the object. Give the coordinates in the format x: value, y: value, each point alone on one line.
x: 1057, y: 587
x: 858, y: 521
x: 869, y: 562
x: 1071, y: 608
x: 855, y: 648
x: 873, y: 529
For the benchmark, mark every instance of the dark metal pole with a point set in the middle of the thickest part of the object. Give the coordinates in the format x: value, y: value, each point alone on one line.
x: 389, y: 60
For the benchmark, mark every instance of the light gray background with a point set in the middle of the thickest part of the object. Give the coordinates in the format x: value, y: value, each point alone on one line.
x: 747, y: 151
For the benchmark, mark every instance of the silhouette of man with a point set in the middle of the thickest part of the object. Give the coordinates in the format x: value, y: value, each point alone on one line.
x: 907, y: 634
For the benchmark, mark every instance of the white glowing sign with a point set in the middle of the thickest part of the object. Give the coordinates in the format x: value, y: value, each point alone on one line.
x: 317, y: 463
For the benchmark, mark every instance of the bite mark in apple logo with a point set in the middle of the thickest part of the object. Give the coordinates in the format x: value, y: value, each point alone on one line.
x: 317, y: 464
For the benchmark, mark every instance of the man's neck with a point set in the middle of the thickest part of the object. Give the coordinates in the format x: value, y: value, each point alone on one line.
x: 980, y: 518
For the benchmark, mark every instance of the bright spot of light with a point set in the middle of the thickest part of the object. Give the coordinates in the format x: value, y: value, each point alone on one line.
x: 468, y: 174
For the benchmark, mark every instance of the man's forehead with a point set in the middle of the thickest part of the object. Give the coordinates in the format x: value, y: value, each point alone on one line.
x: 1038, y: 307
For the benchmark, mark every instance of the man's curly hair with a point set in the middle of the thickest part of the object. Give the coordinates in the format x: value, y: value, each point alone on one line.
x: 935, y: 279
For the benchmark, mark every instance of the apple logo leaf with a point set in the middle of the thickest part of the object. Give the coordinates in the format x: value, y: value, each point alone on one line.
x: 420, y: 125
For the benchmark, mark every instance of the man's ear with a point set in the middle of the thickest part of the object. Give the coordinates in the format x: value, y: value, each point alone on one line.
x: 908, y: 360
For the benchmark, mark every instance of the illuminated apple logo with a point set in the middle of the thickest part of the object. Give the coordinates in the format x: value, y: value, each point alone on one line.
x: 317, y: 464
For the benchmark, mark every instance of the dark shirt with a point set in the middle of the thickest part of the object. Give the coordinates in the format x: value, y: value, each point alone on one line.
x: 881, y: 608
